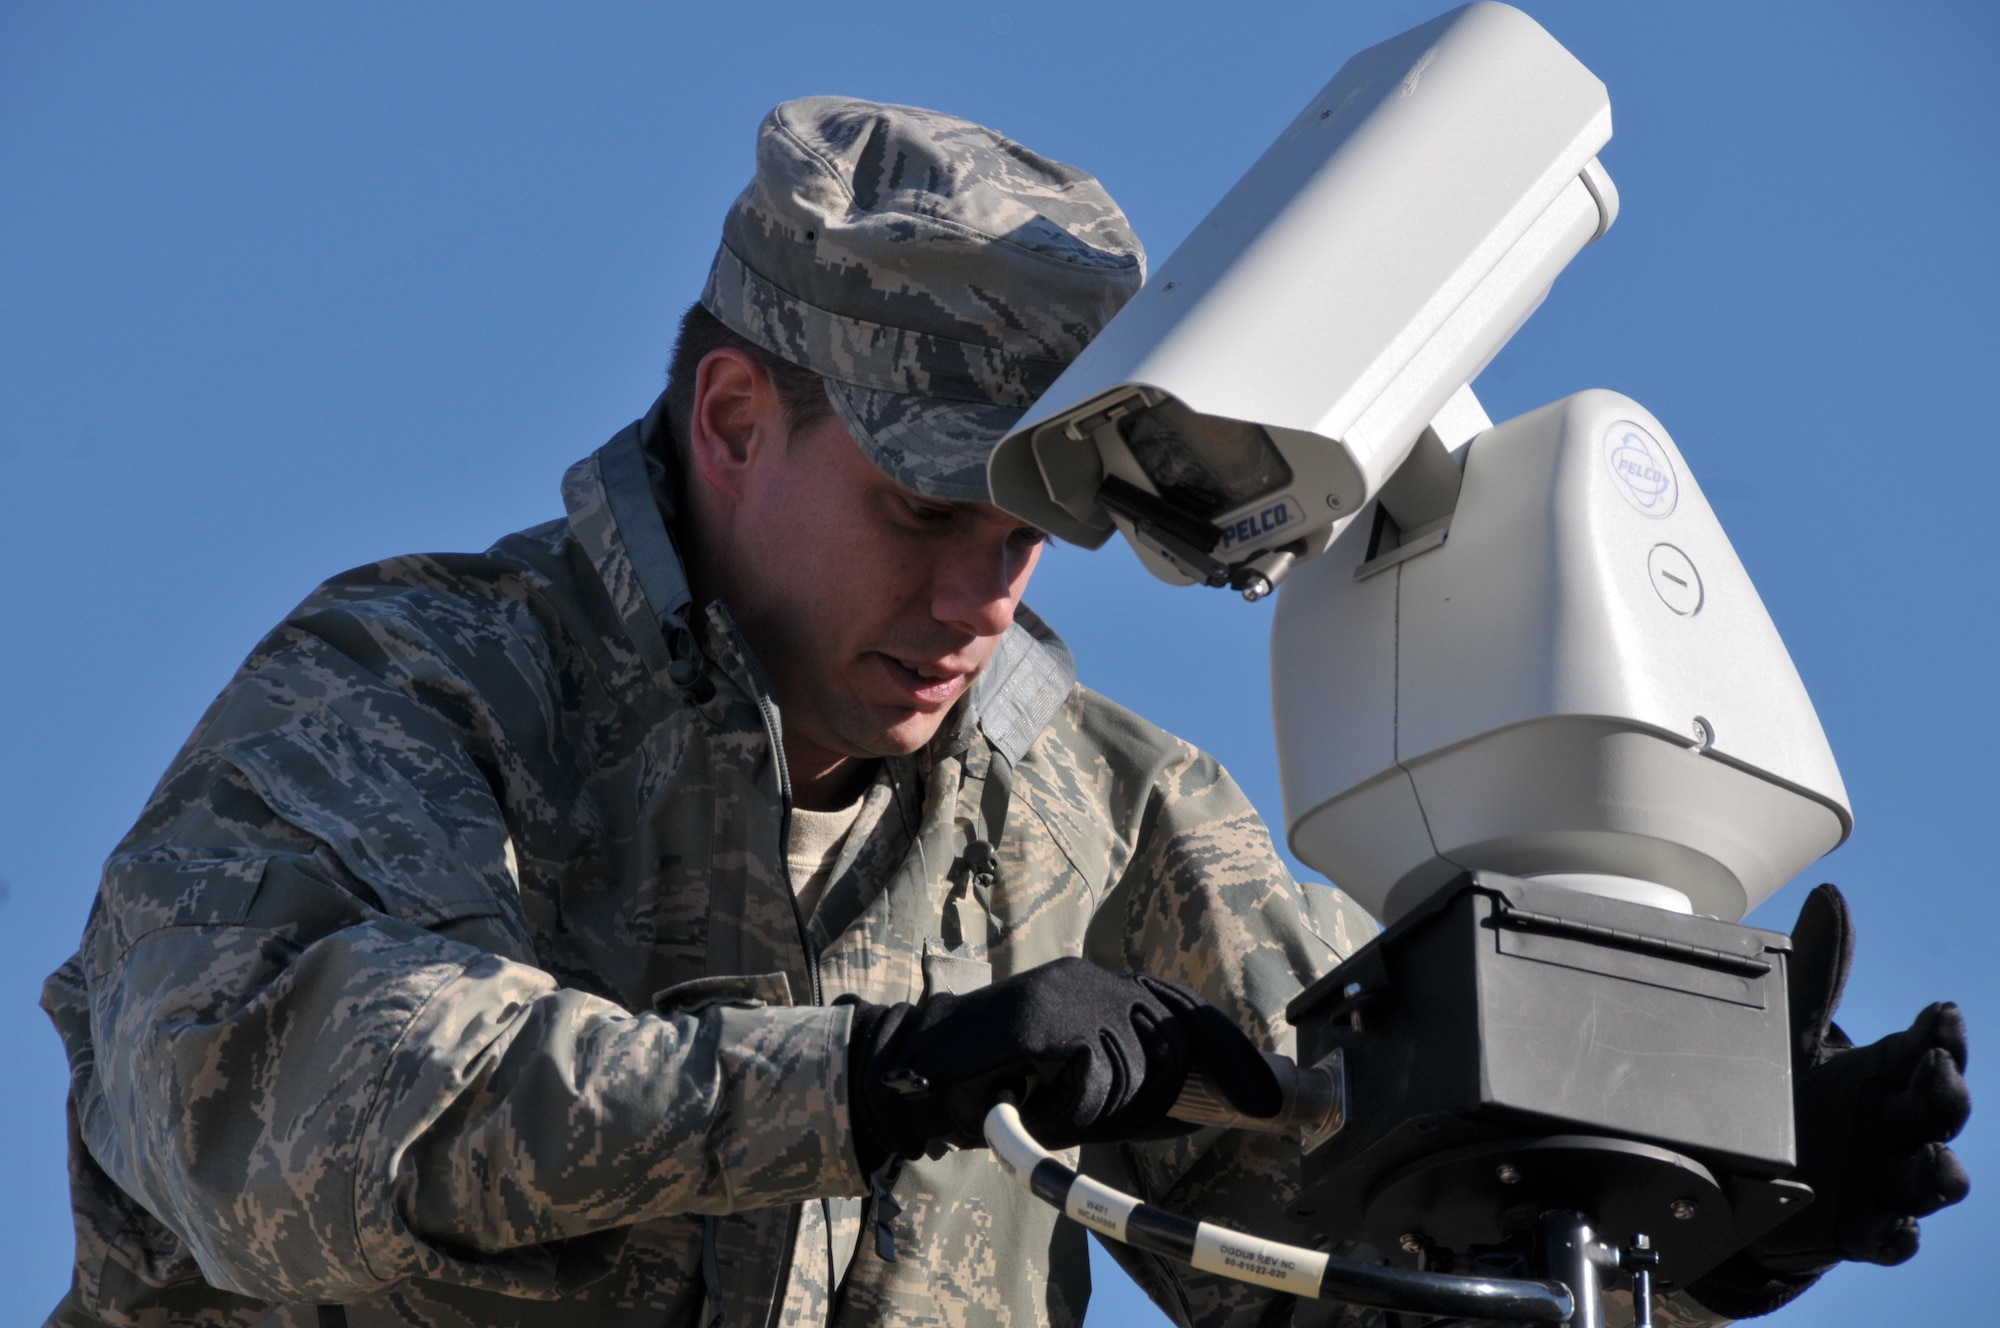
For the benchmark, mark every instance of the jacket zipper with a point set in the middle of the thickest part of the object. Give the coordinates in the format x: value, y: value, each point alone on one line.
x: 759, y: 689
x: 767, y: 709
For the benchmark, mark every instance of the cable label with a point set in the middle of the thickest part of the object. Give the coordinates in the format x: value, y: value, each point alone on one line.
x: 1099, y: 1207
x: 1254, y: 1259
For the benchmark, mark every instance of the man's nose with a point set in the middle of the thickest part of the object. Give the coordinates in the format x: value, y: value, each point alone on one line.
x: 975, y: 590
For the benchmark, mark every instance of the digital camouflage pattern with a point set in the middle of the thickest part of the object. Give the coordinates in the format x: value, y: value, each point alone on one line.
x: 452, y: 973
x: 937, y: 274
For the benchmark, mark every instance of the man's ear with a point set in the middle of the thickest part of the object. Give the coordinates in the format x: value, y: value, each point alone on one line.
x: 737, y: 416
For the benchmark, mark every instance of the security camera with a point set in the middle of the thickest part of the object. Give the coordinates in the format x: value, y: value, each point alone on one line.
x: 1285, y: 361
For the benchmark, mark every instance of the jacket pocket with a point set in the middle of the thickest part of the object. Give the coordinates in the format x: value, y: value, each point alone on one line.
x: 171, y: 887
x: 953, y: 969
x: 431, y: 844
x: 749, y: 992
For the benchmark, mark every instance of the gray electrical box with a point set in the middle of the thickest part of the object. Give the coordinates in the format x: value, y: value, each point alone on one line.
x: 1512, y: 1046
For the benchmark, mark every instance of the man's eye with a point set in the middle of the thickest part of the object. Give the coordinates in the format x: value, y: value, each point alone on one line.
x: 929, y: 511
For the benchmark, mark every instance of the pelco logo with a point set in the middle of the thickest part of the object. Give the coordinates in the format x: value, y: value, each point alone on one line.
x: 1643, y: 470
x: 1254, y: 528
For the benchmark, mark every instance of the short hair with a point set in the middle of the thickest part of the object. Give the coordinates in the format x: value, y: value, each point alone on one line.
x: 801, y: 392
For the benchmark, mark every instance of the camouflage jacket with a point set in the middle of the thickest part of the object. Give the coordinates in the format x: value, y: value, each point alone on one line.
x: 452, y: 975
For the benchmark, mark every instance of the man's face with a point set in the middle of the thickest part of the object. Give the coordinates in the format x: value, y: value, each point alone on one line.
x: 873, y: 608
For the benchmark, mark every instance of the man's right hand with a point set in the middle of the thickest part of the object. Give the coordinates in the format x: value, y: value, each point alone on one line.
x: 1093, y: 1057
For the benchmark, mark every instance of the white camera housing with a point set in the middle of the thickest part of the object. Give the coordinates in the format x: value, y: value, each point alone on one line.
x: 1365, y: 268
x: 1570, y: 677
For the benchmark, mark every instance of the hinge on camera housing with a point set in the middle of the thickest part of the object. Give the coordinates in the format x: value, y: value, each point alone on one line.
x: 1414, y: 509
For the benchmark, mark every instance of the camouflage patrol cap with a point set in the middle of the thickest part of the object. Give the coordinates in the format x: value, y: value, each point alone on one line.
x: 937, y: 275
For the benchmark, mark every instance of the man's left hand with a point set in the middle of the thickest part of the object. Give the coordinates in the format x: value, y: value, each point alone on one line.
x: 1873, y: 1123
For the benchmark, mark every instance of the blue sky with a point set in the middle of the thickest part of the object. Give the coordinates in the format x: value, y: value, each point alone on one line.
x: 290, y: 289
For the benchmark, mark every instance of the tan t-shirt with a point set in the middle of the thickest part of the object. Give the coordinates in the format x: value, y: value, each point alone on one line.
x: 817, y: 839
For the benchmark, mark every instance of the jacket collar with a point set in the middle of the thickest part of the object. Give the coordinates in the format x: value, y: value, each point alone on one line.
x: 619, y: 502
x: 617, y: 521
x: 1023, y: 686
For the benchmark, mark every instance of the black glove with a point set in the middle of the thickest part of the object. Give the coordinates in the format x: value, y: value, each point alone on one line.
x: 1108, y: 1053
x: 1872, y: 1126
